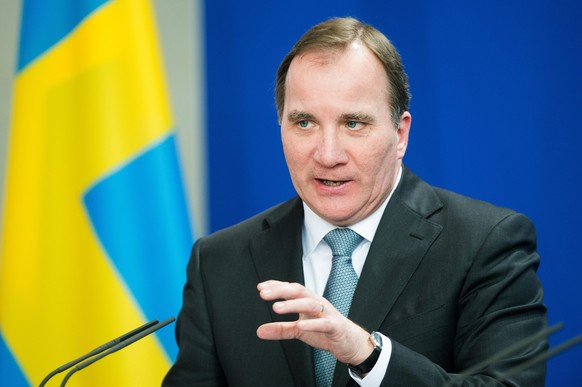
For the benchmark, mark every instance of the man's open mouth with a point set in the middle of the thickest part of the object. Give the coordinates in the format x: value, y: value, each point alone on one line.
x: 332, y: 183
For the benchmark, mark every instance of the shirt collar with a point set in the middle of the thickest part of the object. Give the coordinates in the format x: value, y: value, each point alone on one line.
x: 315, y: 227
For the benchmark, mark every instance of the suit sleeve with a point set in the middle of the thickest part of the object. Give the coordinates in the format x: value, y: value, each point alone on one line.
x: 197, y: 362
x: 500, y: 304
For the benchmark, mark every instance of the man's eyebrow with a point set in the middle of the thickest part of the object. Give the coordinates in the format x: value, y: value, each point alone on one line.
x: 297, y: 115
x: 358, y: 116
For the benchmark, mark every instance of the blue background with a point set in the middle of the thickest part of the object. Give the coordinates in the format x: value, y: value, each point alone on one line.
x: 496, y: 115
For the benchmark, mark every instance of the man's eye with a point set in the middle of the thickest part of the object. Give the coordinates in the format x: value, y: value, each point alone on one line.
x: 303, y: 123
x: 352, y: 124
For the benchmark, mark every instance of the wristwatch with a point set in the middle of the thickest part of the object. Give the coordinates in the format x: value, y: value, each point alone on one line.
x: 367, y: 365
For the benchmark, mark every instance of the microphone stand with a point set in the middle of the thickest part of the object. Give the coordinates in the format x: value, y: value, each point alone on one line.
x: 117, y: 347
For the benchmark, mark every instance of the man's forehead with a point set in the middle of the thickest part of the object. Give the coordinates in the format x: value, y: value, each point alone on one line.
x: 326, y: 55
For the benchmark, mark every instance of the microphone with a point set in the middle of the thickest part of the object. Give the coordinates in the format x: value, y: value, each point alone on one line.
x: 542, y: 356
x: 122, y: 344
x: 514, y: 348
x: 98, y: 350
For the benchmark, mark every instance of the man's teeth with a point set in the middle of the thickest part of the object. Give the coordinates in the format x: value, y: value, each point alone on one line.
x: 332, y: 183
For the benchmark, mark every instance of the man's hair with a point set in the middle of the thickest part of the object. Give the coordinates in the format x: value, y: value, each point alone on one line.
x: 335, y: 35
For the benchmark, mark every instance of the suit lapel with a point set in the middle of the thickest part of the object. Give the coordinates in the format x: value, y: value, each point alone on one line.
x: 402, y: 239
x: 277, y: 250
x: 277, y: 254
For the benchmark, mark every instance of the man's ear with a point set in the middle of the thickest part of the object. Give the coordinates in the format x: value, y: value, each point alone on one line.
x: 402, y: 131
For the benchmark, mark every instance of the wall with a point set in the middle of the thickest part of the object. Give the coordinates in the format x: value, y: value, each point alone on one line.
x: 496, y: 116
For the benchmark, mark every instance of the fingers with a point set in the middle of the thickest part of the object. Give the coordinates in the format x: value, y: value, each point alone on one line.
x: 295, y: 298
x: 309, y: 306
x: 315, y: 313
x: 292, y: 329
x: 319, y: 325
x: 272, y: 290
x: 278, y: 331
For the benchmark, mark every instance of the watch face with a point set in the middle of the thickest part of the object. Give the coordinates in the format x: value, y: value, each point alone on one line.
x: 376, y: 339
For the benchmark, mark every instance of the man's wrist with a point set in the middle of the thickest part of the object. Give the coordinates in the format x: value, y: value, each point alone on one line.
x: 375, y: 339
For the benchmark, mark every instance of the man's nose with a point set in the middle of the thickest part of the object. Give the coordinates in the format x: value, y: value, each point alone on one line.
x: 330, y: 149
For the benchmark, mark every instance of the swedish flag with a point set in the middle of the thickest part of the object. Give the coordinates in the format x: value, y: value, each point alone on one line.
x: 95, y: 233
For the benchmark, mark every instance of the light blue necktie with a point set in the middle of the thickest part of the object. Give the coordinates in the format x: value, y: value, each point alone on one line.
x: 339, y: 290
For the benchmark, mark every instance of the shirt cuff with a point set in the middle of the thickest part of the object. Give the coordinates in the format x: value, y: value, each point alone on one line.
x: 374, y: 378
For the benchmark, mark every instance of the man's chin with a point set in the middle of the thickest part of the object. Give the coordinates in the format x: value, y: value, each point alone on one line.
x: 340, y: 217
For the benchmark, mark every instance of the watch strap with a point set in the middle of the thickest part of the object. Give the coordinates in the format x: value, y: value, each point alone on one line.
x: 367, y: 365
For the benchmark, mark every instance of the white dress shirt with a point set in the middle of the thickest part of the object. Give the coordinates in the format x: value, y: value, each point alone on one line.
x: 317, y: 266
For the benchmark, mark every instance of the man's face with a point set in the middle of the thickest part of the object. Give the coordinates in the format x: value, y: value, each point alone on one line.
x: 342, y: 149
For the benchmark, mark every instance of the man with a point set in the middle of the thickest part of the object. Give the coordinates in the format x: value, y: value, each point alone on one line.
x: 442, y: 282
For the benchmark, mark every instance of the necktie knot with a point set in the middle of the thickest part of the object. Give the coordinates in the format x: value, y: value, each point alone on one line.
x: 342, y: 241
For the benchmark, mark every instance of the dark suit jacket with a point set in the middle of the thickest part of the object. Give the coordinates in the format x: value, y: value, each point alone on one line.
x: 450, y: 280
